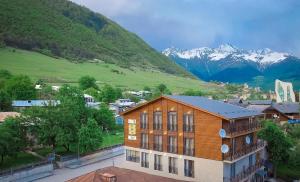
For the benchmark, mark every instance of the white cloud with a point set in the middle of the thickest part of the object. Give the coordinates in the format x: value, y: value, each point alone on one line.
x: 112, y: 8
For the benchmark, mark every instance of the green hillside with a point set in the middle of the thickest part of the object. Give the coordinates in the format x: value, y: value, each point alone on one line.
x: 58, y: 71
x: 60, y: 28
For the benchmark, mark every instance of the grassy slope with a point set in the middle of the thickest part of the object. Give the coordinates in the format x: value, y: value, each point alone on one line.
x: 58, y: 71
x: 65, y: 29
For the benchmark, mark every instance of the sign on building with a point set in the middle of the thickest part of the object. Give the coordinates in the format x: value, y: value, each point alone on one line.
x: 131, y: 129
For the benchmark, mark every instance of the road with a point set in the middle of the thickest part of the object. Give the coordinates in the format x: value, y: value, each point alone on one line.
x: 64, y: 174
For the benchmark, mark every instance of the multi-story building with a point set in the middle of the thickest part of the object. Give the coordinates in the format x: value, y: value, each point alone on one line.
x: 194, y: 139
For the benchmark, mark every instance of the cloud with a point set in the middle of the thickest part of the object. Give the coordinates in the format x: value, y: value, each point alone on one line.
x: 249, y: 24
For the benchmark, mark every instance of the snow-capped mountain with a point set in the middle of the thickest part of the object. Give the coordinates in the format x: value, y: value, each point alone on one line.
x: 262, y: 56
x: 229, y: 63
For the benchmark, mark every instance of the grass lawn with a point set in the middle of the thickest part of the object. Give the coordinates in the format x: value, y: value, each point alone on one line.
x: 112, y: 139
x: 21, y: 159
x: 288, y: 173
x: 108, y: 140
x: 58, y: 71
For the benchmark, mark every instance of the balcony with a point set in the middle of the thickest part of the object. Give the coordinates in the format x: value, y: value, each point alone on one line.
x: 234, y: 155
x: 157, y: 167
x: 189, y: 151
x: 245, y: 173
x: 145, y: 145
x: 157, y: 147
x: 133, y: 158
x: 172, y: 148
x: 188, y: 128
x: 145, y: 164
x: 173, y: 170
x: 157, y: 126
x: 234, y: 129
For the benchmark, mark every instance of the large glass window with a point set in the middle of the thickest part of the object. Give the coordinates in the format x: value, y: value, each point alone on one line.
x: 173, y: 165
x: 157, y: 142
x: 188, y: 168
x: 157, y: 162
x: 144, y: 141
x: 188, y: 123
x: 188, y: 146
x: 145, y: 160
x: 172, y: 121
x: 144, y: 121
x: 172, y: 144
x: 157, y: 120
x: 132, y: 156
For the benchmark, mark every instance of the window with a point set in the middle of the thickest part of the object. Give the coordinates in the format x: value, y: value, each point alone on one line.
x: 173, y: 165
x: 172, y: 144
x: 172, y: 121
x: 144, y: 141
x: 144, y: 121
x: 157, y: 143
x: 145, y: 160
x: 157, y: 123
x: 157, y: 162
x: 132, y: 156
x: 188, y: 168
x: 188, y: 146
x: 188, y: 123
x: 232, y: 170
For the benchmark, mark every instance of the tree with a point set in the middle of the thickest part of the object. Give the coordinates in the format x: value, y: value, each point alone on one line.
x: 4, y: 75
x: 20, y: 88
x: 104, y: 117
x: 5, y: 101
x: 279, y: 144
x: 12, y: 138
x: 86, y: 82
x: 108, y: 94
x: 193, y: 93
x: 90, y: 136
x: 146, y: 88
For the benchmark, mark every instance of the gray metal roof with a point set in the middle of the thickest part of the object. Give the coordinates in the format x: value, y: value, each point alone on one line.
x: 31, y: 103
x: 225, y: 110
x: 291, y: 107
x: 260, y: 102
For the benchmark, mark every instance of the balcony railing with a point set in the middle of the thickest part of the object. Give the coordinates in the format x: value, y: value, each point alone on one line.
x: 173, y: 170
x: 157, y: 167
x: 188, y: 128
x: 157, y: 126
x: 233, y: 155
x: 157, y: 147
x: 133, y: 158
x: 189, y: 151
x: 245, y: 173
x: 234, y: 129
x: 172, y: 148
x: 145, y: 145
x: 172, y: 127
x: 145, y: 164
x: 189, y: 172
x: 144, y: 125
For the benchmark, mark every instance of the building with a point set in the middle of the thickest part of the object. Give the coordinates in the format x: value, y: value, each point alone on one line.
x: 284, y: 91
x: 22, y: 104
x: 193, y: 138
x: 91, y: 102
x: 4, y: 115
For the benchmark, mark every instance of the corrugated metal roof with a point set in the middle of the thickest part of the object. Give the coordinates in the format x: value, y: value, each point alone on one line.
x: 31, y: 103
x: 260, y: 102
x: 225, y: 110
x: 291, y: 107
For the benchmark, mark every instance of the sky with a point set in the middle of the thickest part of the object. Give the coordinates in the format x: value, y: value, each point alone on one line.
x: 186, y: 24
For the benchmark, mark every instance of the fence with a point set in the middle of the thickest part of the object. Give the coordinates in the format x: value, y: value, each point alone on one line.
x: 32, y: 171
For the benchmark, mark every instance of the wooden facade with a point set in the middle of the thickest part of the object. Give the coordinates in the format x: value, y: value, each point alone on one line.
x: 207, y: 142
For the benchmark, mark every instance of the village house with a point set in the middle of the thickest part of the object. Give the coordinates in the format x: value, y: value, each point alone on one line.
x: 193, y: 138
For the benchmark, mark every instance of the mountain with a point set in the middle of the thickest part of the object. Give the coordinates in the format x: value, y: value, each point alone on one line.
x: 63, y: 29
x: 228, y: 63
